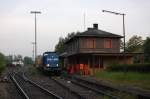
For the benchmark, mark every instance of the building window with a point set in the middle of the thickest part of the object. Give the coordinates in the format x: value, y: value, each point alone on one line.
x: 88, y: 43
x: 107, y: 43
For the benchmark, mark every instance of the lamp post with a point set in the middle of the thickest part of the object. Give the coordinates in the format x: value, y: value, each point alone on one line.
x: 116, y: 13
x: 33, y: 50
x: 35, y: 12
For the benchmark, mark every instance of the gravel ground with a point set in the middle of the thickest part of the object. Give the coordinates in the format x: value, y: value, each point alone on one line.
x: 3, y: 91
x: 49, y: 84
x: 8, y: 89
x: 88, y: 94
x: 32, y: 91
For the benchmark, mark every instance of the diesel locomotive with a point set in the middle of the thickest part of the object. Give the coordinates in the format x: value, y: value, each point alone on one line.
x: 50, y: 63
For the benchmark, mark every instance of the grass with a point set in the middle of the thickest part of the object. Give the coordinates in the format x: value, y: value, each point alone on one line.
x: 130, y: 78
x: 2, y: 67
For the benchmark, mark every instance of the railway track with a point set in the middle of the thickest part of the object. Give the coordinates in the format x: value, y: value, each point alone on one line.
x: 104, y: 92
x: 50, y: 84
x: 83, y: 91
x: 30, y: 89
x: 112, y: 91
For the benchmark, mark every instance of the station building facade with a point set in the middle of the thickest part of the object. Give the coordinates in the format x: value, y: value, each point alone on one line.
x: 94, y: 48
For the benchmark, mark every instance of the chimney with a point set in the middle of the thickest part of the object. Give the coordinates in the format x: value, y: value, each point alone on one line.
x: 95, y: 26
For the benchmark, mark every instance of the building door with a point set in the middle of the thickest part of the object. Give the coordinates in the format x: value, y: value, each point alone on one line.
x: 100, y: 59
x: 98, y: 62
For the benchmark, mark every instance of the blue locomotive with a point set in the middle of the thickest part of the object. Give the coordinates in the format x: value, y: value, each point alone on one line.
x: 51, y: 62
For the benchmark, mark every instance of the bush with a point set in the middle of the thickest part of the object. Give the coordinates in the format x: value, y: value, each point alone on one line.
x: 130, y: 67
x: 2, y: 62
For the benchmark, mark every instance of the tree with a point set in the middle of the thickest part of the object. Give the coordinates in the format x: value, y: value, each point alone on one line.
x: 9, y: 59
x: 134, y: 44
x: 60, y: 48
x: 28, y: 60
x: 70, y: 35
x: 146, y: 47
x: 121, y: 45
x: 2, y: 62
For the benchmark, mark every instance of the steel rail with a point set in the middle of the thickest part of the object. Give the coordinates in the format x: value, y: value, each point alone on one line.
x: 77, y: 94
x: 95, y: 90
x: 138, y: 92
x: 44, y: 89
x: 36, y: 85
x: 19, y: 87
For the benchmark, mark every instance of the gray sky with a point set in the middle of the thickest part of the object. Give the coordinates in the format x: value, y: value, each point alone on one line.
x: 60, y: 17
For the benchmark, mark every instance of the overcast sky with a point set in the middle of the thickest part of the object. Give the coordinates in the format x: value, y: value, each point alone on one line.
x: 60, y: 17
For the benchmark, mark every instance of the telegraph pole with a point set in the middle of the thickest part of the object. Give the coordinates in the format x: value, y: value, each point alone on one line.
x: 33, y: 51
x: 35, y: 12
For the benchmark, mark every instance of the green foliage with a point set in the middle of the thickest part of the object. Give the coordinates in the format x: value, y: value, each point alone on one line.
x: 2, y: 62
x: 129, y: 78
x: 134, y: 44
x: 70, y: 35
x: 9, y: 59
x: 60, y: 46
x: 122, y: 76
x: 146, y: 47
x: 28, y: 60
x: 130, y: 67
x: 121, y: 45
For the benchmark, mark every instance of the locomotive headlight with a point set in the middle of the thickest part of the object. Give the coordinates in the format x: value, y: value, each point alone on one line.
x: 57, y: 65
x: 47, y: 65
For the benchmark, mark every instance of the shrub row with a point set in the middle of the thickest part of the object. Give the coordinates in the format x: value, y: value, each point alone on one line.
x: 129, y: 67
x: 2, y: 62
